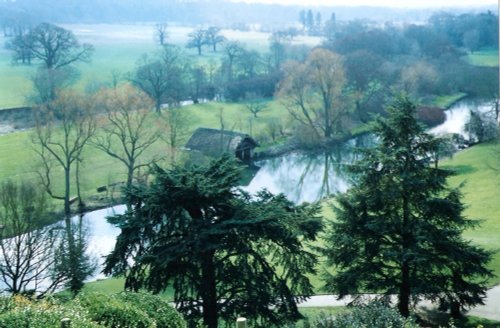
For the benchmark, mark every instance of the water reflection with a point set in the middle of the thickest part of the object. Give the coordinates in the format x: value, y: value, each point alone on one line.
x: 102, y: 235
x: 309, y: 176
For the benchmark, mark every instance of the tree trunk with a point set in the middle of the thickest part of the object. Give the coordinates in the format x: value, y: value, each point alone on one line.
x: 209, y: 291
x: 405, y: 286
x: 67, y: 177
x: 130, y: 174
x: 455, y: 310
x: 404, y: 291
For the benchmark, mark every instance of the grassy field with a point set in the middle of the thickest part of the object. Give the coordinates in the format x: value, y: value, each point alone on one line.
x: 486, y: 57
x: 117, y: 50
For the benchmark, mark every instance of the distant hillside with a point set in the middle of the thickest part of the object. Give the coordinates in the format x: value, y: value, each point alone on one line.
x: 214, y: 12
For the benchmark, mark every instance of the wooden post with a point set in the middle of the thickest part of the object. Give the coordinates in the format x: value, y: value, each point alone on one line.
x: 241, y: 323
x: 66, y: 323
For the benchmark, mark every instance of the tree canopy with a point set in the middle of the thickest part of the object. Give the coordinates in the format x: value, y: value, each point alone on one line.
x: 399, y: 228
x: 224, y: 252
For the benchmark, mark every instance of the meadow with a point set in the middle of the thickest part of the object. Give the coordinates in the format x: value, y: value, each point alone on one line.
x: 117, y: 50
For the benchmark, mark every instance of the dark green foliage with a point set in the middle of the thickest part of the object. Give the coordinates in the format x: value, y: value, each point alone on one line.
x: 399, y: 228
x: 373, y: 315
x: 157, y: 308
x: 224, y: 252
x: 481, y: 127
x: 110, y: 311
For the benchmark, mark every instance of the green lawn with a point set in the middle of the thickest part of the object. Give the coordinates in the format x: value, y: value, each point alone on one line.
x: 486, y: 57
x: 479, y: 168
x: 448, y: 100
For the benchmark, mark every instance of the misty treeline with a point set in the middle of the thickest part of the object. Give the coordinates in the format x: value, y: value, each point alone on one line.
x: 223, y: 13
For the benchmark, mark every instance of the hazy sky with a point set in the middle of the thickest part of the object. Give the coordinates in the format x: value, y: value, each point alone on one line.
x: 384, y: 3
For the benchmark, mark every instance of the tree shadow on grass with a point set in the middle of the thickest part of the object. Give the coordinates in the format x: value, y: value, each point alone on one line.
x: 461, y: 169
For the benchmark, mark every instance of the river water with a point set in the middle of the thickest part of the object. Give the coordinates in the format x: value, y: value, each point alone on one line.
x: 307, y: 177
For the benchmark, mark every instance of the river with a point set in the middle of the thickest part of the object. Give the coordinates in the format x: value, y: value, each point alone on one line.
x: 308, y: 177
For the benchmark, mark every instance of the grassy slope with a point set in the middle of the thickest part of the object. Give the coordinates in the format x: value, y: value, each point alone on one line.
x: 479, y: 167
x: 486, y: 57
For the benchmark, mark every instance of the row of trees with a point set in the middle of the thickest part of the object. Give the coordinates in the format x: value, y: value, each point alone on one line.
x: 398, y: 230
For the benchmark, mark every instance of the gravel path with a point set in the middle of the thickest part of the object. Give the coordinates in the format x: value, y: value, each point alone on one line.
x: 491, y: 309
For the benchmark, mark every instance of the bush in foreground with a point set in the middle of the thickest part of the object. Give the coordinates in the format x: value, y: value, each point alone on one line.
x: 373, y: 315
x: 91, y: 310
x: 20, y: 312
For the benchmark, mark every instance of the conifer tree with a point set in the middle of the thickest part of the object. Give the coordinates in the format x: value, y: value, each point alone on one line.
x: 224, y: 252
x: 398, y: 230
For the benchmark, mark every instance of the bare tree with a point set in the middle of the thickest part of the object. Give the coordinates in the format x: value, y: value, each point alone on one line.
x: 54, y: 46
x: 63, y: 128
x: 57, y: 49
x: 129, y: 131
x: 161, y: 77
x: 161, y: 33
x: 27, y: 262
x: 232, y: 50
x: 213, y: 37
x: 151, y: 77
x: 176, y: 127
x: 197, y: 39
x: 254, y: 104
x: 313, y: 92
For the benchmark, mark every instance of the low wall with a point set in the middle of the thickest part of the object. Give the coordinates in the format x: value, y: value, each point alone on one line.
x: 14, y: 119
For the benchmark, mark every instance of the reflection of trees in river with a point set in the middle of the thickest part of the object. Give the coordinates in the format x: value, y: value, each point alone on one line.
x: 309, y: 176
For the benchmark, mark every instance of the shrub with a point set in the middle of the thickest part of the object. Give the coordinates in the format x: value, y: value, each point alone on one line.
x: 6, y: 304
x: 156, y: 308
x: 23, y: 313
x: 431, y: 116
x: 373, y: 315
x: 109, y: 311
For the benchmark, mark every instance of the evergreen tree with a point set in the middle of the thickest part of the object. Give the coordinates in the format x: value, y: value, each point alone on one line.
x: 399, y: 228
x: 224, y: 252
